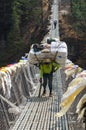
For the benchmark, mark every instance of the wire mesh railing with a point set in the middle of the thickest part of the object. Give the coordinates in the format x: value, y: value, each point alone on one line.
x: 18, y: 83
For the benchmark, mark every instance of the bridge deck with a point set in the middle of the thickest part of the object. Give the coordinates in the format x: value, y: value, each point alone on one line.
x: 39, y: 113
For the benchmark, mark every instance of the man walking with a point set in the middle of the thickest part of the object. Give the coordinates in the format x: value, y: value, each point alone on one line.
x: 55, y: 23
x: 46, y: 72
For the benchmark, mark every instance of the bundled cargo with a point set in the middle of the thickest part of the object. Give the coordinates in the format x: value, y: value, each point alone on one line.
x: 61, y: 49
x: 71, y: 70
x: 56, y: 50
x: 74, y: 88
x: 81, y: 107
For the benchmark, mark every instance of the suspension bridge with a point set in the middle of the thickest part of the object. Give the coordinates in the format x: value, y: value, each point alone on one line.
x: 21, y: 107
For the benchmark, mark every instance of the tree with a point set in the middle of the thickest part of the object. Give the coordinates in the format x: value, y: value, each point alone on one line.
x: 79, y: 15
x: 15, y: 16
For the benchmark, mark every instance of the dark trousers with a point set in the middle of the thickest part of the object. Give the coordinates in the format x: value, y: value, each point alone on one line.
x: 55, y: 23
x: 47, y: 79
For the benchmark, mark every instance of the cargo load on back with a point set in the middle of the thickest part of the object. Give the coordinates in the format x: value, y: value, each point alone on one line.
x: 55, y: 50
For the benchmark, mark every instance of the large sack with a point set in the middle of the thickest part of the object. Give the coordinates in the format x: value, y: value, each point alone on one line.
x: 57, y: 52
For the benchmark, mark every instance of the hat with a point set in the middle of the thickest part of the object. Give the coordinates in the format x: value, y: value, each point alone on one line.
x: 46, y: 60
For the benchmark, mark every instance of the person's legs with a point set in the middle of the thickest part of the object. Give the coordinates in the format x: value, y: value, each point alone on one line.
x: 55, y: 23
x: 50, y: 77
x: 44, y: 83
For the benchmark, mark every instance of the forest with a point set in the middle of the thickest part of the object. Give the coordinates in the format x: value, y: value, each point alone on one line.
x: 21, y: 24
x: 78, y: 9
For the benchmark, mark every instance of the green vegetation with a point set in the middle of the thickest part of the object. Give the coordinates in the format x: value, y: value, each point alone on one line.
x: 79, y: 15
x: 15, y: 17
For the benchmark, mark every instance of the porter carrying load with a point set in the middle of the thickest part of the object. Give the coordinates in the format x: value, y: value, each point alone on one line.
x: 56, y: 50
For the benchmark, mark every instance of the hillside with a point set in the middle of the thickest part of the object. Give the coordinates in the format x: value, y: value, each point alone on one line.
x: 26, y: 23
x: 23, y: 23
x: 76, y: 42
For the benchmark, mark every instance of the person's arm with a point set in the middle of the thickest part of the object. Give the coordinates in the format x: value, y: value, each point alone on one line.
x: 56, y: 66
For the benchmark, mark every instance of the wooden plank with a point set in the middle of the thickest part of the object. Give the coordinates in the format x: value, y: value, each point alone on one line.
x: 19, y: 121
x: 42, y: 114
x: 36, y: 120
x: 32, y: 115
x: 25, y: 119
x: 54, y: 113
x: 47, y: 117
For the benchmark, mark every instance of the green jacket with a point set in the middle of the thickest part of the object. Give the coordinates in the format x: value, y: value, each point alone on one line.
x: 48, y: 68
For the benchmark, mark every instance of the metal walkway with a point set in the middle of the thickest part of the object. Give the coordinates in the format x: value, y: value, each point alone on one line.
x: 39, y: 113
